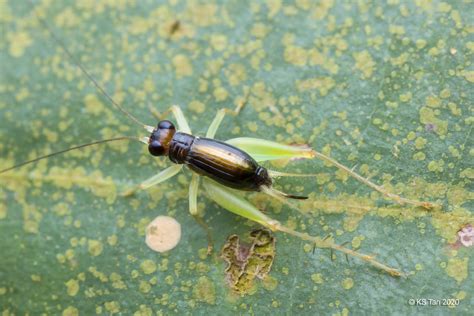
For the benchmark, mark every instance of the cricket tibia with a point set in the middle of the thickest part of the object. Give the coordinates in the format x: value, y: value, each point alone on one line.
x: 395, y: 197
x: 328, y: 243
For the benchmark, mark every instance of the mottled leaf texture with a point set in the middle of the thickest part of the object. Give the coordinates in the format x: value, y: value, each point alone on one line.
x: 384, y: 87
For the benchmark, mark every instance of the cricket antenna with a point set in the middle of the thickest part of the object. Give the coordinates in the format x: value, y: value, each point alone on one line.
x: 87, y: 74
x: 73, y: 148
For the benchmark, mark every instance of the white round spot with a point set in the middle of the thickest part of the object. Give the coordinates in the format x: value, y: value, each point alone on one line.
x: 163, y: 234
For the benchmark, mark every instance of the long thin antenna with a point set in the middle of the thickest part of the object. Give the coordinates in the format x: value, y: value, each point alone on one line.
x: 69, y: 149
x: 86, y: 73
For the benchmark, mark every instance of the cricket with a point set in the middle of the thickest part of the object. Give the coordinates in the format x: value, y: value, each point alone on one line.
x: 225, y: 169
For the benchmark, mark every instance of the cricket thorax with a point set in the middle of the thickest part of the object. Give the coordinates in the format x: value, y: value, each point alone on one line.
x: 179, y: 147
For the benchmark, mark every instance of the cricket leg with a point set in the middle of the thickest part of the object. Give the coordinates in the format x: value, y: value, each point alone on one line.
x: 216, y: 122
x: 156, y: 179
x: 193, y: 190
x: 378, y: 188
x: 231, y: 201
x: 399, y: 199
x: 262, y: 150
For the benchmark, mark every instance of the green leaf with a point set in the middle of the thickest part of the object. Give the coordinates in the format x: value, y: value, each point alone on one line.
x: 382, y: 87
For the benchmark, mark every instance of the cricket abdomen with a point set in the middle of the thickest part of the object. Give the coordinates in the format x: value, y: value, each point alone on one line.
x: 219, y: 161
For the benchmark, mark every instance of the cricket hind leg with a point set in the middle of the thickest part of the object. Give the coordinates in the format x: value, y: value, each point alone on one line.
x: 378, y: 188
x: 264, y: 150
x: 162, y: 176
x: 230, y: 200
x: 193, y: 210
x: 395, y: 197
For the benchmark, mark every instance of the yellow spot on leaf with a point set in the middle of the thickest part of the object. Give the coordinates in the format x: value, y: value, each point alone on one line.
x: 436, y: 165
x: 236, y: 74
x: 71, y: 311
x: 197, y: 107
x: 66, y: 18
x: 112, y: 240
x: 469, y: 75
x: 270, y: 283
x: 35, y: 278
x: 428, y: 116
x: 18, y: 43
x: 296, y: 55
x: 348, y: 283
x: 457, y: 269
x: 22, y: 94
x: 260, y: 30
x: 455, y: 110
x: 144, y: 287
x: 117, y: 282
x: 95, y: 247
x: 148, y: 266
x: 364, y: 63
x: 72, y: 287
x: 144, y: 311
x: 419, y: 156
x: 420, y: 43
x: 204, y: 290
x: 93, y: 105
x: 274, y: 6
x: 220, y: 94
x: 182, y: 65
x: 433, y: 102
x: 356, y: 241
x: 323, y: 84
x: 317, y: 278
x: 460, y: 295
x: 321, y: 10
x: 420, y: 143
x: 139, y: 26
x: 219, y: 42
x: 252, y: 126
x: 112, y: 307
x: 51, y: 136
x: 396, y: 29
x: 203, y: 14
x: 467, y: 173
x: 406, y: 97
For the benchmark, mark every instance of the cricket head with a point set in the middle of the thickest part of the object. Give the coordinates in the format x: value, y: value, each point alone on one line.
x: 160, y: 138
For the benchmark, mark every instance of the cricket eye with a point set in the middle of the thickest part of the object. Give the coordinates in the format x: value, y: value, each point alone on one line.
x: 156, y: 149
